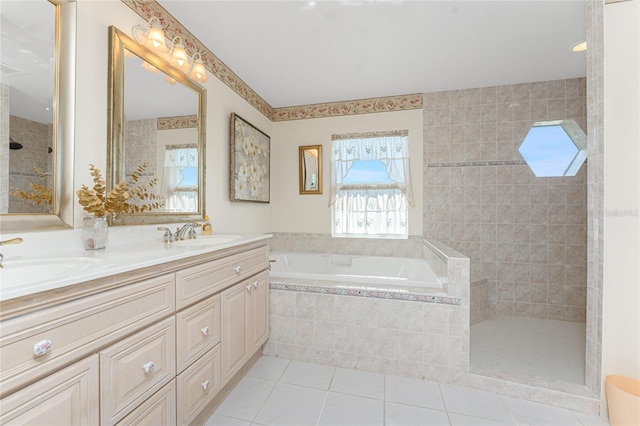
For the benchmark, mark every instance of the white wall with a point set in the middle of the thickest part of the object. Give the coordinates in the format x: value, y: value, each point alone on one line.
x: 93, y: 20
x: 621, y: 304
x: 293, y: 212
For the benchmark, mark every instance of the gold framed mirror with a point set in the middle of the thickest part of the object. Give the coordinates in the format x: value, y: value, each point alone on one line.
x: 310, y: 159
x: 29, y: 91
x: 157, y: 117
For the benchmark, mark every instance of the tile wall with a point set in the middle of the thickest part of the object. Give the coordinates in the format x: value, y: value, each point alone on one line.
x: 594, y: 17
x: 141, y: 138
x: 526, y: 235
x: 324, y: 243
x: 36, y: 139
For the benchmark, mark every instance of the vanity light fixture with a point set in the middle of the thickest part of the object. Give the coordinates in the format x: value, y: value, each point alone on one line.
x: 179, y: 57
x: 198, y: 71
x: 153, y: 37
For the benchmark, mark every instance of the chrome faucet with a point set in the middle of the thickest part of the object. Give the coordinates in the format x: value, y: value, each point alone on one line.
x: 168, y: 237
x: 7, y: 242
x: 189, y: 226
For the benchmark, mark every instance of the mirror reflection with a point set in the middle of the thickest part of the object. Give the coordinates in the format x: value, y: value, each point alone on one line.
x: 157, y: 119
x: 27, y: 93
x: 310, y: 158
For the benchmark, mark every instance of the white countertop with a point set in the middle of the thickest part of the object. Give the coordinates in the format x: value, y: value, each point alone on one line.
x: 55, y: 259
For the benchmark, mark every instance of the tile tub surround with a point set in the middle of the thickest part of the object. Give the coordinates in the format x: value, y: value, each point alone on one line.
x: 409, y: 338
x: 526, y: 235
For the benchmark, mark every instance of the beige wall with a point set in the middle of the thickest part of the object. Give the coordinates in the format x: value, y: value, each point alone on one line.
x: 293, y: 212
x: 621, y: 313
x: 93, y: 20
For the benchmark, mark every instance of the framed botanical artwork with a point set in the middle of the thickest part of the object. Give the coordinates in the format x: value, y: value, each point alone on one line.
x: 250, y: 174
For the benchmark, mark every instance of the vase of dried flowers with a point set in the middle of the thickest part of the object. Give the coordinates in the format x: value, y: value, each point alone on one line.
x: 127, y: 197
x: 95, y: 231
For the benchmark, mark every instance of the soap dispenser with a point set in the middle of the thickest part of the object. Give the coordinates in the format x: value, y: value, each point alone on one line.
x: 207, y: 229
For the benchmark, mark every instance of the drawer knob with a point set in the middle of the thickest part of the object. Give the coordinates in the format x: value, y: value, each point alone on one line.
x: 206, y: 384
x: 237, y: 269
x: 249, y: 287
x: 42, y: 347
x: 204, y: 330
x: 255, y: 284
x: 148, y: 367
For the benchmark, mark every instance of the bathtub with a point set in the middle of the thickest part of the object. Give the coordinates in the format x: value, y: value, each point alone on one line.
x: 355, y: 273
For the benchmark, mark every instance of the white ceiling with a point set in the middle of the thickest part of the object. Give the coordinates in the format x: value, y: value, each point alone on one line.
x: 304, y: 52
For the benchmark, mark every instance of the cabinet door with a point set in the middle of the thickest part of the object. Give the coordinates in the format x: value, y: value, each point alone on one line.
x: 68, y: 397
x: 259, y: 312
x: 234, y: 342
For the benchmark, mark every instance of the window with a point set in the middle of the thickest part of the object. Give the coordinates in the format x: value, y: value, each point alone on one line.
x: 180, y: 178
x: 370, y: 185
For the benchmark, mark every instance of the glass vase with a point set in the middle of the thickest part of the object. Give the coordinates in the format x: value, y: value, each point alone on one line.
x: 95, y: 231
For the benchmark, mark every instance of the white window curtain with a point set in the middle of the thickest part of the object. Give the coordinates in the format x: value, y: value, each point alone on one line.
x: 178, y: 197
x: 390, y: 148
x: 367, y: 211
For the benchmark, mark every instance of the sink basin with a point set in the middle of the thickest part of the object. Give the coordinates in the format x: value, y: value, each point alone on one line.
x: 30, y: 271
x: 207, y: 240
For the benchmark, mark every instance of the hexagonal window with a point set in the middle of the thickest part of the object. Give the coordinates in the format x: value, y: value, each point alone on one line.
x: 554, y: 148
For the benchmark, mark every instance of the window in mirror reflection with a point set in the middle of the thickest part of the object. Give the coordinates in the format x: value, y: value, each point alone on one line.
x: 26, y: 117
x: 179, y: 185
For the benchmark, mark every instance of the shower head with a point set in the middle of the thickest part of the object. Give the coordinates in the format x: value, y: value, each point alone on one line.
x: 13, y: 144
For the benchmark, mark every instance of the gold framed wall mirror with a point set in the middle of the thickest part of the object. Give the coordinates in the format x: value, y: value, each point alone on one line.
x: 157, y: 116
x: 310, y: 159
x: 38, y: 112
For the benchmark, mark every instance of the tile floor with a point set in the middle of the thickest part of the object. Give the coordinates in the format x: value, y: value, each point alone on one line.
x: 277, y: 391
x: 542, y: 348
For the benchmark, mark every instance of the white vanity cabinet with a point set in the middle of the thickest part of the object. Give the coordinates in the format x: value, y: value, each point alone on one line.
x: 245, y: 322
x: 146, y: 347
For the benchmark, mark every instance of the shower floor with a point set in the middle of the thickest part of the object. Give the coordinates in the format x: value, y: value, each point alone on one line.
x: 540, y: 349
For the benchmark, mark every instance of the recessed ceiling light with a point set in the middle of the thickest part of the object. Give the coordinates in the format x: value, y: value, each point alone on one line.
x: 579, y: 47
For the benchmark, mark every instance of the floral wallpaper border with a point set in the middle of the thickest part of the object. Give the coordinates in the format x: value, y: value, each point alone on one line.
x: 336, y: 109
x: 172, y: 27
x: 178, y: 122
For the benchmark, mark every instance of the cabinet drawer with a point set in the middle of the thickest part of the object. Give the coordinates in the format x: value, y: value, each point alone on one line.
x: 158, y: 410
x: 198, y: 385
x: 68, y: 397
x: 195, y: 283
x: 198, y: 330
x: 134, y: 368
x: 76, y: 329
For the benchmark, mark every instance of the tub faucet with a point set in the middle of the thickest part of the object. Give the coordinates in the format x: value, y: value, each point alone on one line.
x: 7, y: 242
x: 189, y: 226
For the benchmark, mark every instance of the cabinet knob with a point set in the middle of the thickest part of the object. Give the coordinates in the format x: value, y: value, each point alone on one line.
x: 148, y: 367
x: 206, y: 384
x: 237, y: 269
x: 42, y: 347
x: 255, y: 284
x: 249, y: 287
x: 204, y: 330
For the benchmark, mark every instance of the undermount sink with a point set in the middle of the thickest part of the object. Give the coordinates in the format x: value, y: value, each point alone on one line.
x: 29, y: 271
x: 207, y: 240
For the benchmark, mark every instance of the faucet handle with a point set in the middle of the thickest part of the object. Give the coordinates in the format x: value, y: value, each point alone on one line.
x: 11, y: 241
x: 168, y: 236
